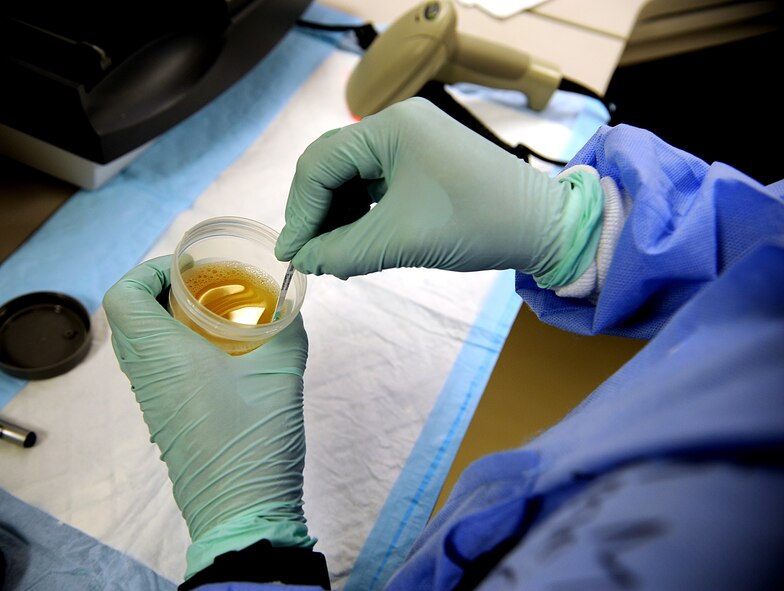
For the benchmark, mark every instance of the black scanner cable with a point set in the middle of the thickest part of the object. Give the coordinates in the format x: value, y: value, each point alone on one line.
x: 365, y: 33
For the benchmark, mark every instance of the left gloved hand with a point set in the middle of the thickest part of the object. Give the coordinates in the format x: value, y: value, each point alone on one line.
x: 230, y: 429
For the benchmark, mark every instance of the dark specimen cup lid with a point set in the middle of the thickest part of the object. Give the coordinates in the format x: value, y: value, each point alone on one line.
x: 42, y: 335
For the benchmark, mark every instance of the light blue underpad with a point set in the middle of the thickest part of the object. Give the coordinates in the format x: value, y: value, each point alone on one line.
x: 43, y: 553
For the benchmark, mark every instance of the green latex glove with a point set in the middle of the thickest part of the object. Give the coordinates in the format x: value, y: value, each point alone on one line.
x: 230, y: 429
x: 446, y: 198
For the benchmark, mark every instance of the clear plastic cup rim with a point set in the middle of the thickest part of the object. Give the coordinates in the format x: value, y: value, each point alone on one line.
x: 237, y: 227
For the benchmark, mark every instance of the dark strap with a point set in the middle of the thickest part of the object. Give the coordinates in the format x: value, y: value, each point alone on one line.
x: 263, y: 563
x: 436, y: 93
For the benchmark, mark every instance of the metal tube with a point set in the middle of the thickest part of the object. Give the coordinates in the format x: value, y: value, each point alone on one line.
x: 16, y: 434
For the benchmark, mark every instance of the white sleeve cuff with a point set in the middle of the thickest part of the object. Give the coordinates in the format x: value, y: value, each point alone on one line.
x: 590, y: 283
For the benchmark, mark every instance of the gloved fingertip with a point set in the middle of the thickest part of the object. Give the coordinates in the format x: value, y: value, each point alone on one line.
x: 160, y: 263
x: 291, y: 239
x: 329, y: 133
x: 109, y: 299
x: 283, y: 251
x: 302, y: 263
x: 330, y: 254
x: 186, y: 262
x: 138, y: 288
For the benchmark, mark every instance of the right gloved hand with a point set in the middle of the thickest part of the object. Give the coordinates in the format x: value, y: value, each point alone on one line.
x: 446, y: 198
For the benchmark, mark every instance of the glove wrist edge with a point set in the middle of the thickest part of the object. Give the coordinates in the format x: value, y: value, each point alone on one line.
x: 262, y: 562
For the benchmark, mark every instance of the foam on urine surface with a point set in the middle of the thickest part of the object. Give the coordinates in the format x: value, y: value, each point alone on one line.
x: 235, y: 291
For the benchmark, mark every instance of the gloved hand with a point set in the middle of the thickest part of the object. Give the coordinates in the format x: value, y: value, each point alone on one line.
x: 230, y: 429
x: 446, y: 198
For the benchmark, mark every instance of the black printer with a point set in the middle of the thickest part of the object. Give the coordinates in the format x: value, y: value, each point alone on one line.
x: 87, y: 84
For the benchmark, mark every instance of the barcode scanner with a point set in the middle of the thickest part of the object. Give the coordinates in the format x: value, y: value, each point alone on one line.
x: 424, y: 45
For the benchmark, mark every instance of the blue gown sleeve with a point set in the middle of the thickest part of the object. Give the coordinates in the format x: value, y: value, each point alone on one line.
x: 658, y: 525
x: 687, y: 221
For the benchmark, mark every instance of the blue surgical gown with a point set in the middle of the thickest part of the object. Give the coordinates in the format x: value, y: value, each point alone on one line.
x: 671, y: 474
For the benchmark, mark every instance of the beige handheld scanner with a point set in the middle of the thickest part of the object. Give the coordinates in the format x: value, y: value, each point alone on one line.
x: 424, y: 45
